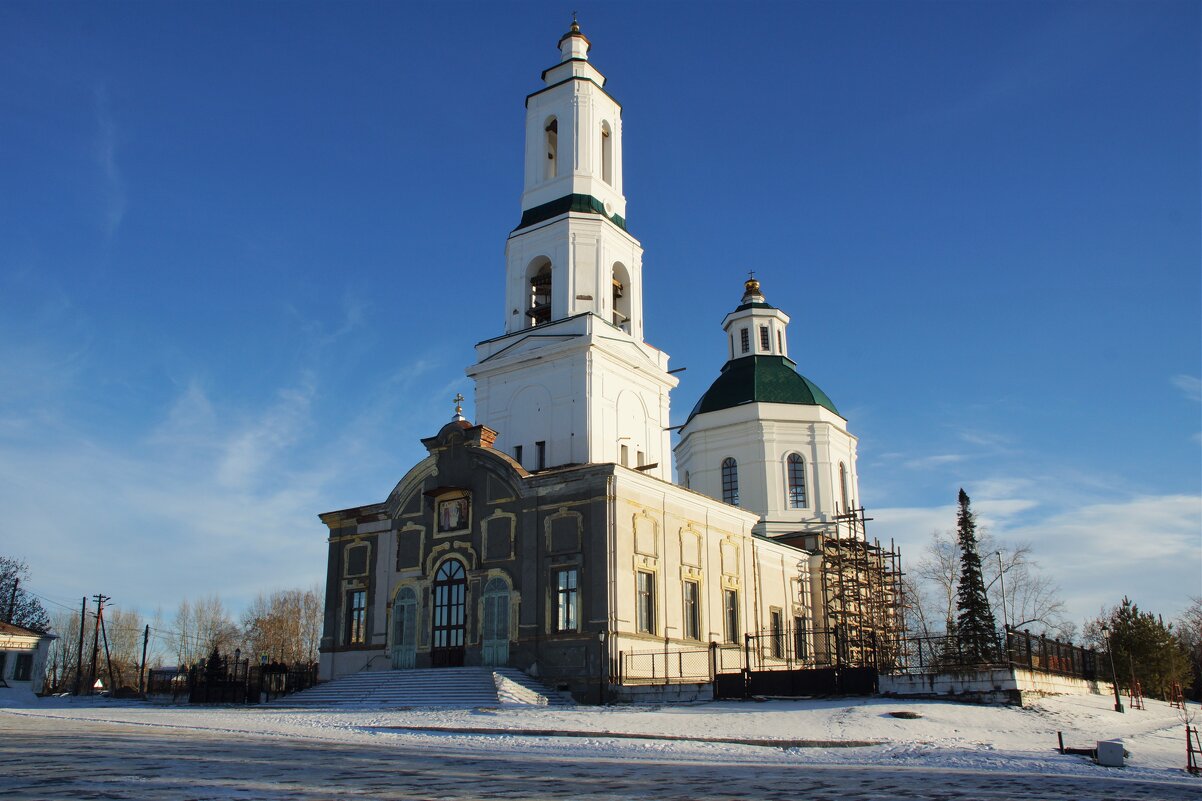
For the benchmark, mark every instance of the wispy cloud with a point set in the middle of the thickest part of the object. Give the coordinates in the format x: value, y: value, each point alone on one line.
x: 113, y: 186
x: 1190, y: 386
x: 935, y: 460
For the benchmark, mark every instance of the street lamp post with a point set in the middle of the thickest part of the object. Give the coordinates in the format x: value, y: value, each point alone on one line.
x: 1001, y: 574
x: 1114, y: 681
x: 601, y: 666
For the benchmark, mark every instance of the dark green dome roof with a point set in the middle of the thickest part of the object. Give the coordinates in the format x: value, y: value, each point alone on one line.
x: 760, y: 379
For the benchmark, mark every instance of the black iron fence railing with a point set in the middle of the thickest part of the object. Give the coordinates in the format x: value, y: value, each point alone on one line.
x: 230, y: 681
x: 824, y: 649
x: 1010, y: 648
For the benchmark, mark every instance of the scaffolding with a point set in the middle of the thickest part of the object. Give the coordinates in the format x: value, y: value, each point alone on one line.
x: 862, y: 601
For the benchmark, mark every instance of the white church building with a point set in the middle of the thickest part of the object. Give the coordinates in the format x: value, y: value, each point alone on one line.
x: 548, y: 534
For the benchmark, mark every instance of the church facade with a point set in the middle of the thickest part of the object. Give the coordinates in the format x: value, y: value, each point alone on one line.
x: 548, y: 535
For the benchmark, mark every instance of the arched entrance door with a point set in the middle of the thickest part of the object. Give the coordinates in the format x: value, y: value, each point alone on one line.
x: 404, y: 629
x: 494, y: 643
x: 450, y: 590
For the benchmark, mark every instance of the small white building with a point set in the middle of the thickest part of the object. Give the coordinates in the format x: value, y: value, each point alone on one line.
x: 23, y: 658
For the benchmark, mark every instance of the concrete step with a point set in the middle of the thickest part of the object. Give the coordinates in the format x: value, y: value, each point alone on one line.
x: 454, y: 687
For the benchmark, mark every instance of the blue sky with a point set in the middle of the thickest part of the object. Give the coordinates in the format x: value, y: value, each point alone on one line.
x: 246, y: 249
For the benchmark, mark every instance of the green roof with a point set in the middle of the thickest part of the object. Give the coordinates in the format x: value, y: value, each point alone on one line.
x: 760, y: 379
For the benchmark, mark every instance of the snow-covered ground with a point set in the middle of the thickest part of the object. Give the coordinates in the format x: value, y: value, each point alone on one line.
x: 948, y: 750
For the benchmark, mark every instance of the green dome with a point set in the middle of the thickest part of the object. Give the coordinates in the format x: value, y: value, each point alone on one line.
x: 760, y: 379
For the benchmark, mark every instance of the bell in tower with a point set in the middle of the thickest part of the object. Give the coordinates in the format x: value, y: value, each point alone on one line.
x: 571, y: 376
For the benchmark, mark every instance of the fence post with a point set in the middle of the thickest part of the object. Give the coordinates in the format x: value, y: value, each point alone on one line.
x: 1030, y: 656
x: 747, y: 653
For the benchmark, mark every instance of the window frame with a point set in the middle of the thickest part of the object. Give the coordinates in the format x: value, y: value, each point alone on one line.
x: 730, y: 481
x: 795, y: 481
x: 745, y: 340
x: 843, y: 487
x: 356, y: 616
x: 644, y: 602
x: 565, y: 599
x: 730, y: 615
x: 691, y: 609
x: 801, y: 646
x: 23, y: 667
x: 765, y: 339
x: 776, y: 627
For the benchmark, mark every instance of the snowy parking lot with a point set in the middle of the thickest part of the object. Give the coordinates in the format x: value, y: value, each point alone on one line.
x: 68, y: 748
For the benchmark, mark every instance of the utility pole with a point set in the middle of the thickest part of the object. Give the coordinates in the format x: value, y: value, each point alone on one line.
x: 142, y: 670
x: 12, y: 602
x: 99, y: 599
x: 108, y: 661
x: 83, y: 615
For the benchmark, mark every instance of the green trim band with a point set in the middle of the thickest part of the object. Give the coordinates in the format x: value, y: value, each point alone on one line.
x: 583, y: 204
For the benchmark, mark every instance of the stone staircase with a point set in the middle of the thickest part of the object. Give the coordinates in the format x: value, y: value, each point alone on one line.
x: 445, y: 687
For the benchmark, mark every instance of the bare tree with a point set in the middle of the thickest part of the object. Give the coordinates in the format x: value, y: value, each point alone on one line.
x: 1189, y: 631
x: 1032, y: 598
x: 63, y: 657
x: 202, y: 626
x: 284, y: 626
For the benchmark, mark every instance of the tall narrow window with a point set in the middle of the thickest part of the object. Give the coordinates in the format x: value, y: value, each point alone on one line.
x: 607, y: 154
x: 778, y: 634
x: 540, y: 295
x: 800, y: 647
x: 732, y: 346
x: 765, y: 342
x: 744, y: 339
x: 23, y: 668
x: 551, y: 147
x: 566, y: 603
x: 625, y: 456
x: 356, y: 617
x: 730, y: 481
x: 796, y: 468
x: 686, y: 480
x: 730, y: 614
x: 779, y: 347
x: 517, y: 454
x: 640, y: 458
x: 692, y: 618
x: 843, y: 486
x: 620, y: 296
x: 646, y: 602
x: 540, y: 451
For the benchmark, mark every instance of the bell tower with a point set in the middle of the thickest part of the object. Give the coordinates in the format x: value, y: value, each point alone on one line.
x: 571, y: 380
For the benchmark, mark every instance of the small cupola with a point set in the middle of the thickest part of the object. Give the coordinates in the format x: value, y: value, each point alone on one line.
x: 574, y: 44
x: 756, y: 327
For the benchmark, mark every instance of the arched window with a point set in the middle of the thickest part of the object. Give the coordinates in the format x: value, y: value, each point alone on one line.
x: 730, y: 481
x: 607, y: 154
x: 686, y: 479
x: 551, y: 147
x: 621, y: 297
x: 539, y: 310
x: 796, y: 469
x: 843, y: 486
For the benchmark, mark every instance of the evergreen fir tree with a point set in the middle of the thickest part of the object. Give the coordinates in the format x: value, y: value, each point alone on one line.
x: 976, y: 635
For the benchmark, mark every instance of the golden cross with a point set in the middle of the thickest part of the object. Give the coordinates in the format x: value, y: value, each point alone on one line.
x: 458, y: 399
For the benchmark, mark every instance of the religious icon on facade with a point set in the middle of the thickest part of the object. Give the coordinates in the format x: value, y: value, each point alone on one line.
x: 453, y: 514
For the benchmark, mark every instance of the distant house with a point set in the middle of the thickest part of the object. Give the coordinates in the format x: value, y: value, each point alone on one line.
x: 23, y: 657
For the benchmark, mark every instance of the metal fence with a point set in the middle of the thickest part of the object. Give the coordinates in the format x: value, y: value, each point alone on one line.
x: 815, y: 650
x: 667, y: 666
x: 1010, y: 648
x: 785, y: 650
x: 229, y: 681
